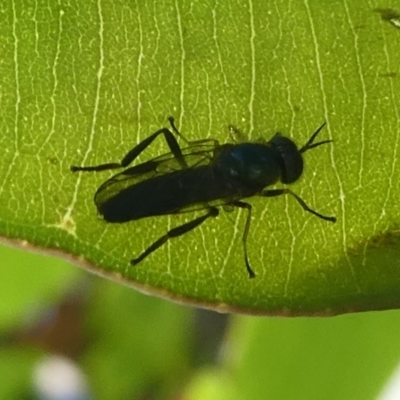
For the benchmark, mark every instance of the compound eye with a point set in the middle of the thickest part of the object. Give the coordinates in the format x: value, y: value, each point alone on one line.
x: 293, y: 169
x: 292, y: 160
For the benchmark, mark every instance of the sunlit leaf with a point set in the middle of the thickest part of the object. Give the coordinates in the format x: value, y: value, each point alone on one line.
x: 82, y: 83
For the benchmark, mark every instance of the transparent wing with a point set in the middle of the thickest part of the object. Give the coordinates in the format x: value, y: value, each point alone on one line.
x: 194, y: 156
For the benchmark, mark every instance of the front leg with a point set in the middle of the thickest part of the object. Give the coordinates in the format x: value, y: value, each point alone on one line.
x: 304, y: 206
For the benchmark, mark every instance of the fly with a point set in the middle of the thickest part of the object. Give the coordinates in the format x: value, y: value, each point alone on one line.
x: 203, y: 176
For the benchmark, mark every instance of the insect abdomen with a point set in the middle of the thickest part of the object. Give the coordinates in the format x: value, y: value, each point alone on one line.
x: 166, y: 194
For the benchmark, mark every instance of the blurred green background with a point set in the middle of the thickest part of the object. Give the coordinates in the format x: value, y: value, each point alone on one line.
x: 128, y: 345
x: 77, y: 72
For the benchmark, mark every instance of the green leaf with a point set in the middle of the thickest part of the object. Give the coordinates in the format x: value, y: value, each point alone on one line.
x: 30, y: 283
x: 82, y: 83
x: 16, y: 370
x: 351, y: 357
x: 144, y: 342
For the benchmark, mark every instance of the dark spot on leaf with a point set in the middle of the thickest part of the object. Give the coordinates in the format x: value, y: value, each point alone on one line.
x: 296, y: 108
x: 52, y: 160
x: 389, y: 75
x: 389, y: 15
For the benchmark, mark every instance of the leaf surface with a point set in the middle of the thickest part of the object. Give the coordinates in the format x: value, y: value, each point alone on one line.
x: 84, y: 83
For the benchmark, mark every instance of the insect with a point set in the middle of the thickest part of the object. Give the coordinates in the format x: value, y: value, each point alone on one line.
x: 202, y: 176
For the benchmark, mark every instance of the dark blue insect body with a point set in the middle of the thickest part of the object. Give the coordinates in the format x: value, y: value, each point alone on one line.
x: 202, y: 176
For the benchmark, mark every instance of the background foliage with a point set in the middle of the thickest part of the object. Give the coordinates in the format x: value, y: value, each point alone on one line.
x: 82, y: 82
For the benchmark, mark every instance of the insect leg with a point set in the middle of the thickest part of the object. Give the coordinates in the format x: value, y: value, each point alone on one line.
x: 137, y: 150
x: 175, y: 232
x: 278, y: 192
x: 247, y: 206
x: 190, y: 142
x: 236, y: 134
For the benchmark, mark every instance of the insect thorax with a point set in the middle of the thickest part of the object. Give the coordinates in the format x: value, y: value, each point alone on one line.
x: 252, y: 164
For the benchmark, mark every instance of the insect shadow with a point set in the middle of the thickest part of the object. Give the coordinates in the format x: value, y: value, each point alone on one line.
x: 202, y: 176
